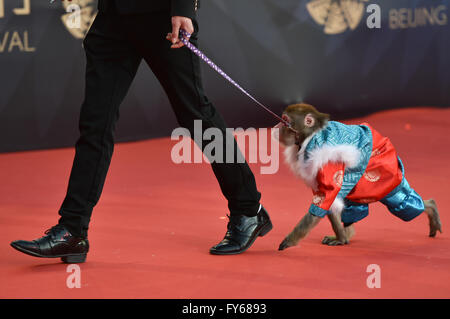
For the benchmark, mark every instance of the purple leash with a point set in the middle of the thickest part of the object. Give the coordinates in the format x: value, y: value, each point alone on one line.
x: 184, y: 34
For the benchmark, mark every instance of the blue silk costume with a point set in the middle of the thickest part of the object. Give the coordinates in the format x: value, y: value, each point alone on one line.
x: 402, y: 201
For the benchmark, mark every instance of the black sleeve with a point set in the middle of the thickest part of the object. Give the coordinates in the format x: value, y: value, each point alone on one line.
x: 185, y: 8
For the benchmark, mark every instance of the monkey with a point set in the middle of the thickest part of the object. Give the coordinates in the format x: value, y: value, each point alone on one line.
x: 347, y: 167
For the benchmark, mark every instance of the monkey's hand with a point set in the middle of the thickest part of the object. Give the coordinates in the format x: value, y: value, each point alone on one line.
x: 300, y: 231
x: 286, y: 243
x: 333, y: 241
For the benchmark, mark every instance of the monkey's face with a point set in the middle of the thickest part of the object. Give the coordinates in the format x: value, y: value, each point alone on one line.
x: 304, y: 120
x: 285, y: 136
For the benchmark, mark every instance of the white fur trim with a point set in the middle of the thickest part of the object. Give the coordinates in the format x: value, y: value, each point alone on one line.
x: 318, y: 158
x: 275, y: 131
x: 291, y: 158
x: 292, y: 155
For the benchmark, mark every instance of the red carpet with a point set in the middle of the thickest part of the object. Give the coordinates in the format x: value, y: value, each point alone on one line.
x: 155, y: 222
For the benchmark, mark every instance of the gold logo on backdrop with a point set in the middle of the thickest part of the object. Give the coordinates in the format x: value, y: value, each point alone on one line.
x: 79, y: 16
x: 337, y: 15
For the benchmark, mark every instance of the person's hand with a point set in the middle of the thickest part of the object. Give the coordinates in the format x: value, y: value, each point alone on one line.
x: 177, y: 24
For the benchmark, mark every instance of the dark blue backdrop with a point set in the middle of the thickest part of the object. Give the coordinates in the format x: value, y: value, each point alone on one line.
x: 318, y: 51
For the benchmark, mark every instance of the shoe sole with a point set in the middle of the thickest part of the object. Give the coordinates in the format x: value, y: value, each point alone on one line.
x: 66, y: 258
x: 262, y: 232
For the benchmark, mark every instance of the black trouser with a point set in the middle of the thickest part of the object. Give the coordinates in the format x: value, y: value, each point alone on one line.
x: 115, y: 46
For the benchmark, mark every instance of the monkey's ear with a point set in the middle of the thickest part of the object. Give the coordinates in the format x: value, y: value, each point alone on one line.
x: 309, y: 120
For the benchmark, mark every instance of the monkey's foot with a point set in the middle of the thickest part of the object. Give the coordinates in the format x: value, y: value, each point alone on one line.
x: 333, y: 241
x: 433, y: 217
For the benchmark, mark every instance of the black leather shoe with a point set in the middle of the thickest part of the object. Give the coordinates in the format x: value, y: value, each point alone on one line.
x: 242, y: 231
x: 58, y: 242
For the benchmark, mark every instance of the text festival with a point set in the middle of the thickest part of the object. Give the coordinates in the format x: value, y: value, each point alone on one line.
x: 398, y: 19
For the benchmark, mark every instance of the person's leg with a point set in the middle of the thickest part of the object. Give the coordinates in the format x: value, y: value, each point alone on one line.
x: 111, y: 66
x: 178, y: 71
